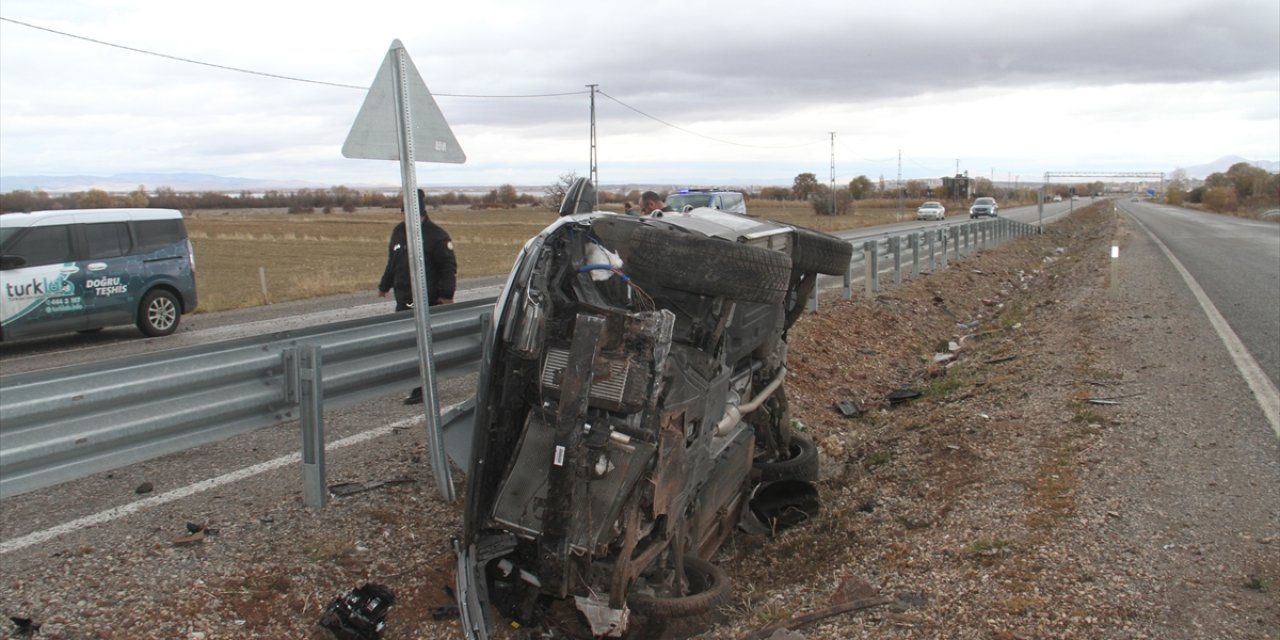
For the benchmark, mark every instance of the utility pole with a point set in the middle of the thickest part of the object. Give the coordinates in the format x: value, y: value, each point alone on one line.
x: 595, y: 175
x: 833, y: 173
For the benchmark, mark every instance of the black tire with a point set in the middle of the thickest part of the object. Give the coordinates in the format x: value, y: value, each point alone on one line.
x: 821, y: 252
x: 709, y: 590
x: 706, y: 266
x: 159, y: 313
x: 801, y: 462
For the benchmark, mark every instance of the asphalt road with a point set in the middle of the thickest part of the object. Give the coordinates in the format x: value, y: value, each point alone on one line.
x: 1237, y: 264
x: 206, y: 328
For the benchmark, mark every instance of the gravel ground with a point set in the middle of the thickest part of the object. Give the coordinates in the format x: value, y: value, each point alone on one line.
x: 1000, y: 504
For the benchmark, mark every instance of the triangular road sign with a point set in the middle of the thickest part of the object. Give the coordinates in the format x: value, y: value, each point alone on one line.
x: 374, y: 135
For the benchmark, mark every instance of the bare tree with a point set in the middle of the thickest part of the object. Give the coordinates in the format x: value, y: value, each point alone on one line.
x: 137, y: 198
x: 95, y: 199
x: 555, y: 192
x: 860, y: 187
x: 806, y: 184
x: 508, y: 196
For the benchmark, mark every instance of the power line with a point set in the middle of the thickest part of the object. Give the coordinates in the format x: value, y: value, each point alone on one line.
x: 705, y: 137
x: 263, y: 73
x: 181, y: 59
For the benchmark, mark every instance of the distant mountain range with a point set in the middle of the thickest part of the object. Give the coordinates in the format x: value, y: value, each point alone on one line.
x: 1202, y: 171
x: 126, y: 182
x: 188, y: 182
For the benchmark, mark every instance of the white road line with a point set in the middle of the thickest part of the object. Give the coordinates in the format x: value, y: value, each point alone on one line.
x: 1266, y: 393
x: 121, y: 511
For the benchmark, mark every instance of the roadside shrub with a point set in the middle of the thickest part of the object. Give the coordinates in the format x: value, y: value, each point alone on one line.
x: 1221, y: 199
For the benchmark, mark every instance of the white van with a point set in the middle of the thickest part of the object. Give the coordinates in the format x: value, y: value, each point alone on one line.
x: 85, y: 269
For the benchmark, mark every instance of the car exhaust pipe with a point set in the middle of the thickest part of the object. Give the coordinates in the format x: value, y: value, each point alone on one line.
x: 735, y: 412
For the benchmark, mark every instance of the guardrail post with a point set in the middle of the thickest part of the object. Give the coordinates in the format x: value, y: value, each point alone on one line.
x: 307, y: 361
x: 895, y: 246
x: 871, y: 260
x: 813, y: 296
x: 913, y: 241
x: 848, y: 280
x: 928, y: 240
x: 955, y: 240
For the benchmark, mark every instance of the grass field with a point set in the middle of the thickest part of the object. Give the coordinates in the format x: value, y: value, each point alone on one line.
x: 310, y: 255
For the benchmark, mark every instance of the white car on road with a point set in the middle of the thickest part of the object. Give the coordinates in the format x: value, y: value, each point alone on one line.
x: 931, y: 211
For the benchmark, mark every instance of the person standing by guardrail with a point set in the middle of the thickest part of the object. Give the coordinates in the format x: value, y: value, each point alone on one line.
x: 442, y: 269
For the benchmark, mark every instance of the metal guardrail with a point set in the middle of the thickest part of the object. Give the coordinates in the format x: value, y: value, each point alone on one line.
x: 62, y: 424
x: 66, y: 423
x: 927, y: 249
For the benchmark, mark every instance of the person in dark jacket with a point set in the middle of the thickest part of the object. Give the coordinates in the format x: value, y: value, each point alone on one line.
x: 441, y: 266
x: 651, y: 203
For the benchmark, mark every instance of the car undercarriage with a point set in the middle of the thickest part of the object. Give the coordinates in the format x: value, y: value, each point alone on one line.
x: 631, y: 403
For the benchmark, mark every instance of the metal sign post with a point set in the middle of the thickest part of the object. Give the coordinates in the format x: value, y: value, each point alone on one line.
x: 398, y: 119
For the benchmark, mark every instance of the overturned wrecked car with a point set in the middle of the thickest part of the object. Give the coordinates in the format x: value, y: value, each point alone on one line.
x: 631, y: 414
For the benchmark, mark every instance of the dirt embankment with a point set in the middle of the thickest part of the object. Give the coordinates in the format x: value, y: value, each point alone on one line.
x: 1068, y: 471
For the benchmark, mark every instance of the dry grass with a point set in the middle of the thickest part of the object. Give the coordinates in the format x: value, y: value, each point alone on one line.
x: 319, y: 254
x: 310, y: 255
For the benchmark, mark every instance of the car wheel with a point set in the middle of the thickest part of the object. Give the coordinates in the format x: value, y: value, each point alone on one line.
x: 706, y: 266
x: 158, y: 314
x: 709, y: 589
x: 817, y: 251
x: 801, y: 462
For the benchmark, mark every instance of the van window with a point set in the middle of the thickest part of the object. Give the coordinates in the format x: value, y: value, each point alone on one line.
x: 107, y: 240
x: 44, y: 245
x: 153, y: 234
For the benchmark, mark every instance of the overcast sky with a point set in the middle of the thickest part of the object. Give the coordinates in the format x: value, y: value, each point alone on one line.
x: 694, y: 93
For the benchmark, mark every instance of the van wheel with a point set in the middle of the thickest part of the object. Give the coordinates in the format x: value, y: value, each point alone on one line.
x: 158, y: 314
